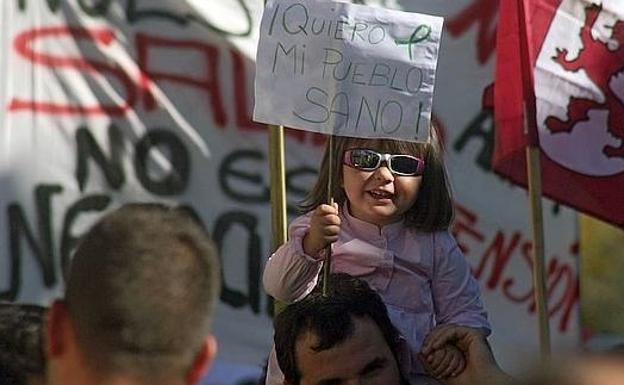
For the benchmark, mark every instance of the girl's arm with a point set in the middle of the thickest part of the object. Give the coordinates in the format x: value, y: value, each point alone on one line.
x: 290, y: 274
x: 456, y: 294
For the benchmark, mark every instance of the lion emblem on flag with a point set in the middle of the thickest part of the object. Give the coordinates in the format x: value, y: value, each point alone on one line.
x: 581, y: 125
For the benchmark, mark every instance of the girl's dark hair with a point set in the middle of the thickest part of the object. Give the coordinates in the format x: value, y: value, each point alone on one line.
x: 433, y: 209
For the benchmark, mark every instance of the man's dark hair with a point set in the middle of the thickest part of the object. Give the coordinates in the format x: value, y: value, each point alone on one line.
x: 330, y: 318
x: 142, y: 287
x: 21, y: 342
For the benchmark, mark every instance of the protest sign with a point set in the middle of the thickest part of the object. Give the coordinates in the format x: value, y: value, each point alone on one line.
x: 344, y: 69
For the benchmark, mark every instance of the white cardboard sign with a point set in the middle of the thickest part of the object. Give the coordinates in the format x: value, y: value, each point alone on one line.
x: 344, y: 69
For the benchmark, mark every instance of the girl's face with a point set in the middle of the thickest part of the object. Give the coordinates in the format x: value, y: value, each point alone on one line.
x: 379, y: 197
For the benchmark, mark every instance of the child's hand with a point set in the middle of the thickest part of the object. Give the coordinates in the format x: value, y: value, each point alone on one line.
x: 447, y: 361
x: 324, y: 229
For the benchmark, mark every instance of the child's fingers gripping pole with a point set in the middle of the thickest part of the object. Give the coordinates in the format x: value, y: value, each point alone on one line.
x: 330, y: 199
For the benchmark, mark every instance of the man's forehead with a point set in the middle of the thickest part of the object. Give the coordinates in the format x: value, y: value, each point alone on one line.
x: 346, y: 359
x: 307, y: 340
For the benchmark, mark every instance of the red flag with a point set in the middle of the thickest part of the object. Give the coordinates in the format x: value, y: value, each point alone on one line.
x: 575, y: 57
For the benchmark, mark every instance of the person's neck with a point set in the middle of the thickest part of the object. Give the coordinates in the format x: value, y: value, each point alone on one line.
x: 84, y: 376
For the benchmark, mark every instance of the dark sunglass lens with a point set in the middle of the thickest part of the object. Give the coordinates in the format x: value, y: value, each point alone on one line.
x: 405, y: 165
x: 364, y: 159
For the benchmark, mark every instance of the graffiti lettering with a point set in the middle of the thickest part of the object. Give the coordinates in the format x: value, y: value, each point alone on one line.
x: 24, y: 44
x: 88, y: 148
x: 175, y: 181
x: 483, y: 13
x: 499, y: 250
x: 149, y: 79
x: 481, y: 128
x: 254, y: 258
x: 229, y: 174
x: 209, y: 82
x: 134, y: 13
x: 241, y: 177
x: 243, y: 185
x: 41, y: 243
x: 160, y: 148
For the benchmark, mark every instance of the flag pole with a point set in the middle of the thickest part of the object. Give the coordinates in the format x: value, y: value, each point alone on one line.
x: 278, y: 186
x: 537, y: 229
x: 278, y: 193
x: 330, y: 200
x: 533, y: 154
x: 278, y: 190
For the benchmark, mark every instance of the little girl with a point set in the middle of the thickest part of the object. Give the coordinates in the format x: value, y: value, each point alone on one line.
x: 389, y: 226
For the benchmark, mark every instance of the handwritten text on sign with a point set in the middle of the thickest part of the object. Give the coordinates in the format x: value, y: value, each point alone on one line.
x: 345, y: 69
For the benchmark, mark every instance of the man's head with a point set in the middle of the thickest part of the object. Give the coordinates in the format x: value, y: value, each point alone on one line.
x: 140, y: 294
x: 21, y: 348
x: 345, y: 335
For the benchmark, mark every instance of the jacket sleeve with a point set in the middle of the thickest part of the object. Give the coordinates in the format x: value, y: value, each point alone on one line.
x: 456, y: 294
x: 290, y: 274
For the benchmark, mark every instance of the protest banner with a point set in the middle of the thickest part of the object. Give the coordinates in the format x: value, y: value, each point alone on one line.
x: 343, y: 69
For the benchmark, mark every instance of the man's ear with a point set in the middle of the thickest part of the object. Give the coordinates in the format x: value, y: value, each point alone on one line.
x: 57, y: 329
x: 203, y: 360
